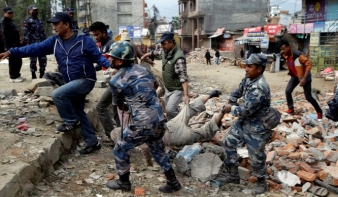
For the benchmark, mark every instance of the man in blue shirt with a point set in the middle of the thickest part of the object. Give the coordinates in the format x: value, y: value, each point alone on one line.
x: 75, y: 54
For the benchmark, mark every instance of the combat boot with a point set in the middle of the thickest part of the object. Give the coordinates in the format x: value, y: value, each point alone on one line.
x: 42, y: 73
x: 172, y: 183
x: 261, y: 187
x: 233, y: 176
x: 122, y: 183
x: 33, y: 75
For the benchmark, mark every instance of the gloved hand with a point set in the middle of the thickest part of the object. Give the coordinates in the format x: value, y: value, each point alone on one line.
x: 215, y: 93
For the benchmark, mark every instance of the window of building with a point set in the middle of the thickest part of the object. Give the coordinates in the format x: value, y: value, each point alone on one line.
x: 193, y: 5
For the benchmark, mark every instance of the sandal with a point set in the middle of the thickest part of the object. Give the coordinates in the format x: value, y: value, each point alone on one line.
x: 319, y: 191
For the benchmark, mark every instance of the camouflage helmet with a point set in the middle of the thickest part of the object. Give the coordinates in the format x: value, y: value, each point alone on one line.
x: 122, y: 50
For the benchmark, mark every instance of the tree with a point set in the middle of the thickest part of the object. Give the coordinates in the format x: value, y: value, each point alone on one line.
x: 174, y: 22
x: 154, y: 21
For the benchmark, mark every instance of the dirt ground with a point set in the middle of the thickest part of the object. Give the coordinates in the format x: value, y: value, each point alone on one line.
x: 86, y: 176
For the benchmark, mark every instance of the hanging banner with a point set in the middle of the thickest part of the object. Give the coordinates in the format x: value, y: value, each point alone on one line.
x: 134, y: 32
x: 264, y: 42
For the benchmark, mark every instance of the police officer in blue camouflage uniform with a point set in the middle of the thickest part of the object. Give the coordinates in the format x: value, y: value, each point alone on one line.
x: 133, y: 88
x: 70, y: 12
x: 35, y: 33
x: 248, y: 129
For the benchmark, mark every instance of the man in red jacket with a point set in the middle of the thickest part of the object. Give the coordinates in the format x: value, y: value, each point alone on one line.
x: 300, y: 71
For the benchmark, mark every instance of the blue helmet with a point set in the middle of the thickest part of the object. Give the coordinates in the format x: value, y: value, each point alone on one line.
x: 122, y: 50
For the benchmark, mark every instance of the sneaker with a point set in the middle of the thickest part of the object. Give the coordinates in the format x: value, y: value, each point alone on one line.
x: 90, y: 149
x: 17, y: 80
x: 290, y: 111
x: 65, y: 127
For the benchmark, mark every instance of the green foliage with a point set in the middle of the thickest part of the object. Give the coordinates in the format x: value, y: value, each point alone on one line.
x: 175, y: 22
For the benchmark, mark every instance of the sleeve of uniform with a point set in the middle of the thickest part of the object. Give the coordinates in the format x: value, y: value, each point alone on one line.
x: 26, y: 31
x: 96, y: 55
x: 235, y: 95
x: 38, y: 49
x: 255, y: 99
x: 181, y: 70
x: 42, y: 32
x: 305, y: 62
x: 5, y: 32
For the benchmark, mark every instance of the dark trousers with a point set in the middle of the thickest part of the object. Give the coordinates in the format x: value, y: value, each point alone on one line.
x: 294, y: 81
x: 15, y: 65
x: 208, y: 60
x: 42, y: 63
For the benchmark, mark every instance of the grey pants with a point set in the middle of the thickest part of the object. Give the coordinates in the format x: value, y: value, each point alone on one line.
x: 172, y: 100
x: 102, y: 109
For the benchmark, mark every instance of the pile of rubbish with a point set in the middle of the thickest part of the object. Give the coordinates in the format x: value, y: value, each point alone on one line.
x: 198, y: 56
x: 302, y: 156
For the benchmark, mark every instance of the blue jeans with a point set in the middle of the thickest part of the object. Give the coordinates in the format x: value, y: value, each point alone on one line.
x: 69, y: 100
x: 216, y: 60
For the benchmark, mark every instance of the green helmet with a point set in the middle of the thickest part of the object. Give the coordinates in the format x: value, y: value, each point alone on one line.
x: 122, y: 50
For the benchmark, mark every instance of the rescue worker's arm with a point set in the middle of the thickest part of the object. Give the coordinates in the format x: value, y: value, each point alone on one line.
x: 140, y: 55
x: 307, y: 64
x: 253, y: 102
x: 96, y: 55
x: 181, y: 71
x: 238, y: 93
x: 155, y: 53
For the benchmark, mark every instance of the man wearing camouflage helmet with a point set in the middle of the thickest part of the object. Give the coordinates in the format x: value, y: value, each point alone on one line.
x: 133, y: 88
x: 35, y: 33
x: 248, y: 129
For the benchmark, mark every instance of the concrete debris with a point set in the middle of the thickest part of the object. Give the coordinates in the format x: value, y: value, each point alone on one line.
x: 198, y: 56
x: 209, y: 162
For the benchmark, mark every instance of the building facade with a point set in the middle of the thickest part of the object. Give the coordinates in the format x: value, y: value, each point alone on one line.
x: 118, y: 14
x: 200, y: 19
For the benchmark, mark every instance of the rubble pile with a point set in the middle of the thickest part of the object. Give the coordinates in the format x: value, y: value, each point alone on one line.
x: 302, y: 156
x: 198, y: 56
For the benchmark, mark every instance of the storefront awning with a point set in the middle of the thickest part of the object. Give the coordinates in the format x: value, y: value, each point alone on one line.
x: 219, y: 32
x: 241, y: 38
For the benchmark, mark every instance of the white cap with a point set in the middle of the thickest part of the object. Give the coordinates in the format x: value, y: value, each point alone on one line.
x: 125, y: 36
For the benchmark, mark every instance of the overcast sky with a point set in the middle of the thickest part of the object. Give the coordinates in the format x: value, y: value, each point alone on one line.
x: 169, y: 8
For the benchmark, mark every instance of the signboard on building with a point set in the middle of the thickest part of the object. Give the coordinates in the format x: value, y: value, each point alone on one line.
x: 273, y: 29
x: 330, y: 26
x: 285, y: 20
x: 134, y: 32
x: 319, y: 26
x: 315, y: 11
x: 252, y: 30
x: 227, y: 45
x: 314, y: 39
x: 264, y: 42
x: 301, y: 28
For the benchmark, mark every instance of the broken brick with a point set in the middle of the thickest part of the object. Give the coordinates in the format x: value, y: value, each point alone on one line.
x: 335, y: 182
x: 139, y: 191
x: 271, y: 183
x: 294, y: 155
x: 289, y: 148
x: 304, y: 166
x: 302, y: 148
x: 270, y: 157
x: 306, y: 175
x: 282, y: 153
x: 322, y: 175
x: 297, y: 188
x: 278, y: 187
x: 270, y: 171
x: 111, y: 176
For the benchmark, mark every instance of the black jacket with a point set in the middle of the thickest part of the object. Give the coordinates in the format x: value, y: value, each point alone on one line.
x: 11, y: 35
x: 217, y: 54
x: 207, y: 55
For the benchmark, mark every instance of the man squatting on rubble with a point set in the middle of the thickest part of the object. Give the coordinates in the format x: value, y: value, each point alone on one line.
x: 133, y: 88
x: 300, y: 74
x: 35, y: 33
x: 248, y: 129
x: 174, y: 73
x: 75, y: 54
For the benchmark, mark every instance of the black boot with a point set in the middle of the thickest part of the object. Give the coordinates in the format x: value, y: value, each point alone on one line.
x: 261, y: 187
x: 42, y: 73
x: 121, y: 184
x: 33, y: 75
x: 233, y: 176
x: 172, y: 183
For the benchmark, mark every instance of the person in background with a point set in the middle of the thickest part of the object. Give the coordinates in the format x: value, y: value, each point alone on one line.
x: 300, y: 71
x: 242, y: 53
x: 217, y: 57
x: 207, y: 56
x: 85, y: 29
x: 35, y: 33
x: 174, y: 73
x: 70, y: 12
x: 11, y: 38
x: 109, y: 32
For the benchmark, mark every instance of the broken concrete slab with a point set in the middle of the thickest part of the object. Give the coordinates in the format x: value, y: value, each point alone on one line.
x: 44, y: 91
x: 36, y: 83
x: 209, y: 162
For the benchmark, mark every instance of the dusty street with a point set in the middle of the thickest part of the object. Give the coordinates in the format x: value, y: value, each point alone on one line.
x: 75, y: 175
